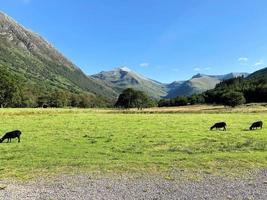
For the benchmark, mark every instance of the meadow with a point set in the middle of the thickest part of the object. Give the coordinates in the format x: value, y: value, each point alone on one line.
x: 56, y: 141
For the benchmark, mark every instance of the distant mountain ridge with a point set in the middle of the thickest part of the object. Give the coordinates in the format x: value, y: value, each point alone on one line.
x: 122, y: 78
x: 199, y: 83
x: 223, y: 77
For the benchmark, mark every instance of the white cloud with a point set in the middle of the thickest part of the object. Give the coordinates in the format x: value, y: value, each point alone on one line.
x: 144, y: 64
x: 197, y: 69
x: 258, y: 63
x: 207, y: 68
x: 245, y: 62
x: 243, y: 59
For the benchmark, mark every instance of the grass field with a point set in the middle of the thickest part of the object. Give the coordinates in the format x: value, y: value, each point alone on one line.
x: 86, y: 140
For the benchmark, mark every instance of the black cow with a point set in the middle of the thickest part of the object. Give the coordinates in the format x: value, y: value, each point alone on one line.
x: 256, y: 125
x: 11, y: 135
x: 219, y: 125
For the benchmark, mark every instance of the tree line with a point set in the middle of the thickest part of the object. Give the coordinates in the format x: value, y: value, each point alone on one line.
x: 237, y: 91
x: 182, y: 101
x: 15, y: 93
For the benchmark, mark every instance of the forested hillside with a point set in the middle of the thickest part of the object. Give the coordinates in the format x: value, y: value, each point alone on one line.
x: 253, y: 88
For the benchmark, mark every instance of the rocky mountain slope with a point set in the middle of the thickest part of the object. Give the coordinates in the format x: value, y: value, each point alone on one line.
x: 122, y: 78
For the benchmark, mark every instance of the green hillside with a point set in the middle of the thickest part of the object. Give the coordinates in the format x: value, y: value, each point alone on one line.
x: 258, y: 75
x: 253, y: 88
x: 29, y: 56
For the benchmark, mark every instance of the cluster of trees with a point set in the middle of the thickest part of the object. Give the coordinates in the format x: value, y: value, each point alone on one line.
x: 131, y: 98
x: 182, y: 101
x: 60, y: 99
x: 8, y: 89
x: 15, y: 94
x: 238, y: 91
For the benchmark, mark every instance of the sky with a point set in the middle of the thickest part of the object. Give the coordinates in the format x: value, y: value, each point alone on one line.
x: 165, y: 40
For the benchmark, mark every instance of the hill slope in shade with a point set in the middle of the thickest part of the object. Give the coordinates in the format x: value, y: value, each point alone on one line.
x: 28, y: 55
x: 259, y: 74
x: 193, y: 86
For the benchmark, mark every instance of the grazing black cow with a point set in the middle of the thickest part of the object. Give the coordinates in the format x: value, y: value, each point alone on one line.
x: 219, y: 125
x: 10, y: 135
x: 256, y: 125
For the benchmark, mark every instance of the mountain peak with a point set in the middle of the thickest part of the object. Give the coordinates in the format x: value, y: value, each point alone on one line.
x: 124, y: 68
x: 198, y: 75
x: 7, y: 19
x: 2, y: 14
x: 122, y: 78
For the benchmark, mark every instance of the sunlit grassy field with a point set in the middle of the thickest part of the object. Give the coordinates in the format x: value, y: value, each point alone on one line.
x: 86, y: 140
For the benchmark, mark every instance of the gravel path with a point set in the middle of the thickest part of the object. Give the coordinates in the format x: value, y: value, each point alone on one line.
x: 154, y: 188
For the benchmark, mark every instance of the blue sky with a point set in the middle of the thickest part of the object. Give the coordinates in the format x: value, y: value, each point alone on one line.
x: 165, y: 40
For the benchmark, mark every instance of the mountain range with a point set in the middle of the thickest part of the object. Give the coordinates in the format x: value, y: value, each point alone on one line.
x: 122, y: 78
x: 41, y: 66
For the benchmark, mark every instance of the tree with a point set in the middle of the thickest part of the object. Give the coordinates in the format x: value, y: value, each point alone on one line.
x: 181, y: 101
x: 196, y: 99
x: 59, y: 99
x: 28, y: 99
x: 43, y: 100
x: 86, y: 101
x: 164, y: 103
x: 233, y: 99
x: 131, y: 98
x: 8, y: 89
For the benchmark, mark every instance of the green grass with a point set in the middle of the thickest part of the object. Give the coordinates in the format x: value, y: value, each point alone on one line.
x: 77, y: 140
